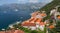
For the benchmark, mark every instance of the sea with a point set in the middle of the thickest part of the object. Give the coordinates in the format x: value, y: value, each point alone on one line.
x: 11, y: 17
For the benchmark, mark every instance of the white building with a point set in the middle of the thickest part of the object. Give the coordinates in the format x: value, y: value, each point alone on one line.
x: 53, y: 11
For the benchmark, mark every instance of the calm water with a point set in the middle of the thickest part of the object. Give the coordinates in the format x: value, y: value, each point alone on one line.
x: 11, y: 13
x: 9, y: 17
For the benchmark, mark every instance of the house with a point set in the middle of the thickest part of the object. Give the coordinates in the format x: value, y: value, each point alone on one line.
x: 31, y: 26
x: 43, y: 14
x: 51, y: 26
x: 56, y: 15
x: 42, y: 26
x: 19, y: 31
x: 38, y: 14
x: 12, y: 31
x: 53, y: 11
x: 2, y: 31
x: 32, y: 20
x: 34, y: 14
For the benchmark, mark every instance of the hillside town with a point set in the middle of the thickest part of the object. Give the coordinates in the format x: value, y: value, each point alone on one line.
x: 37, y: 22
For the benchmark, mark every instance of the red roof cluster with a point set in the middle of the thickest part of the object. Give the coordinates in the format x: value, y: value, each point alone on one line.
x: 12, y: 31
x: 32, y: 22
x: 19, y: 31
x: 28, y: 24
x: 33, y: 19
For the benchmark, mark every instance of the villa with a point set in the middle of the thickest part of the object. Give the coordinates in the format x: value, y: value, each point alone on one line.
x: 55, y: 12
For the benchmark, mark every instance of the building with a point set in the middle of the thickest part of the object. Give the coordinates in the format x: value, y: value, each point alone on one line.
x: 53, y: 11
x: 12, y: 31
x: 19, y: 31
x: 56, y: 15
x: 31, y: 26
x: 35, y: 21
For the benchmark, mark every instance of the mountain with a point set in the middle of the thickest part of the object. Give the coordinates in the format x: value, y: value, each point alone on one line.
x: 23, y: 6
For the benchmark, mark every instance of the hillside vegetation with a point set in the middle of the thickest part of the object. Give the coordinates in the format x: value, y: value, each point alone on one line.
x: 50, y: 6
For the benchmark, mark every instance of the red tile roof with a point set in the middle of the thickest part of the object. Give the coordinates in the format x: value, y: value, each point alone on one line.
x: 38, y: 20
x: 28, y: 24
x: 31, y: 19
x: 34, y: 14
x: 58, y: 17
x: 19, y: 31
x: 51, y: 26
x: 2, y: 31
x: 11, y: 31
x: 42, y: 23
x: 43, y: 14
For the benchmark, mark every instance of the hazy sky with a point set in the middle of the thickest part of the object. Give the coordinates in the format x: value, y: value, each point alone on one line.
x: 23, y: 1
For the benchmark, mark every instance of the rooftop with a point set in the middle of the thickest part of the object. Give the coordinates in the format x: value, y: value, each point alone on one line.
x: 12, y: 31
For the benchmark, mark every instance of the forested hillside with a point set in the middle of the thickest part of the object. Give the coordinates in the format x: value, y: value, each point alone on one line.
x: 51, y: 5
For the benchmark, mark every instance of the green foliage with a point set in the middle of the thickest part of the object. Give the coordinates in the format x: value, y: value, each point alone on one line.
x: 58, y: 9
x: 50, y: 6
x: 34, y: 31
x: 58, y: 24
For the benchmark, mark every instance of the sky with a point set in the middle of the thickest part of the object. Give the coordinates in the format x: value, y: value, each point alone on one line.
x: 23, y: 1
